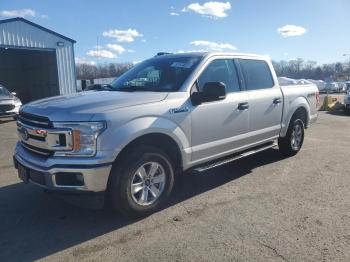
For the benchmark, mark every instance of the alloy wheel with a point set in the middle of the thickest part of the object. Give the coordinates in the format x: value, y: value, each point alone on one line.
x: 148, y: 183
x: 297, y: 136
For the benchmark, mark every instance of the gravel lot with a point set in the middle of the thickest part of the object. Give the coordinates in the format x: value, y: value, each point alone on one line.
x: 262, y: 208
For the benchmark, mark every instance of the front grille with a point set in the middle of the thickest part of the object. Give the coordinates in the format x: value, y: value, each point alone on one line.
x: 41, y: 151
x: 5, y: 108
x: 38, y: 136
x: 34, y: 120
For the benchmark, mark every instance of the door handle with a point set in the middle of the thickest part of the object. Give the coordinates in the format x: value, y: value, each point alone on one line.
x: 277, y: 101
x: 243, y: 106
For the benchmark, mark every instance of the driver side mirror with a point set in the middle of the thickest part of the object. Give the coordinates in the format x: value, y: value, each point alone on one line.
x: 14, y: 93
x: 212, y: 91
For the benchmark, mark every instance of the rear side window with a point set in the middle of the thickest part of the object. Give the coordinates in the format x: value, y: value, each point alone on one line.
x: 257, y: 74
x: 221, y: 70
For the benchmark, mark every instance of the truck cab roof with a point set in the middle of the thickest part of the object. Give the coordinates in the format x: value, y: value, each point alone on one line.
x: 211, y: 54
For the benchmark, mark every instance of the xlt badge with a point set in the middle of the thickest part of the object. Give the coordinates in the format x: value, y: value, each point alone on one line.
x: 178, y: 110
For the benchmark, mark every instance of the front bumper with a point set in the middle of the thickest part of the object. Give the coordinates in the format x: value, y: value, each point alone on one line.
x: 5, y: 115
x: 93, y: 177
x: 8, y: 114
x: 11, y: 113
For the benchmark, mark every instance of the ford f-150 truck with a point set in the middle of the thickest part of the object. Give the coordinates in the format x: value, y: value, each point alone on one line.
x: 168, y: 114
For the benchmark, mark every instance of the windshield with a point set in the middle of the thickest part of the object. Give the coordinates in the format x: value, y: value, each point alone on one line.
x: 160, y: 74
x: 4, y: 91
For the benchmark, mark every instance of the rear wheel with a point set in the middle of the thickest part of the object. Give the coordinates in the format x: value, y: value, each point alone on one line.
x: 291, y: 144
x: 141, y: 181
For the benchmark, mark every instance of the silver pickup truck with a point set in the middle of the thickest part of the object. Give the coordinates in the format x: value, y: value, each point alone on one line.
x: 168, y: 114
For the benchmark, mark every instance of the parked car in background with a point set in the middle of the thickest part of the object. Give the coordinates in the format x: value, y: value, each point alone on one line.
x: 347, y: 102
x: 9, y: 103
x: 97, y: 87
x: 286, y: 81
x: 321, y: 85
x: 347, y: 85
x: 168, y: 114
x: 332, y: 87
x: 342, y: 87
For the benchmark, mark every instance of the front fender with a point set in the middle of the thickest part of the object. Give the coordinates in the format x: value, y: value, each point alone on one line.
x: 118, y: 139
x: 289, y: 109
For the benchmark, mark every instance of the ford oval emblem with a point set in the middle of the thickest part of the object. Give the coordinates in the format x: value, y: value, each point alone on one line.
x: 25, y: 134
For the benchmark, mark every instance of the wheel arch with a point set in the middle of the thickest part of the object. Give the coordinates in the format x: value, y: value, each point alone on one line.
x: 155, y: 131
x: 299, y: 106
x: 161, y: 141
x: 302, y: 112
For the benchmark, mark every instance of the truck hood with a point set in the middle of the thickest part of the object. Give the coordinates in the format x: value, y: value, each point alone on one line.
x: 82, y: 106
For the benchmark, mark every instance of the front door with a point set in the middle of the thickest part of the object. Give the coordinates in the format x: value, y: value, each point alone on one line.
x: 218, y: 127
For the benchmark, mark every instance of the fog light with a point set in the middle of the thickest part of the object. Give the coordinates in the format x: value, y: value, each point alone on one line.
x: 69, y: 179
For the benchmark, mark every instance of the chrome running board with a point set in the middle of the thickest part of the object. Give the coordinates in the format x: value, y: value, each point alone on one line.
x: 235, y: 157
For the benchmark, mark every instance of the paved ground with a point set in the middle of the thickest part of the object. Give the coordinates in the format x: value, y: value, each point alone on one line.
x: 262, y: 208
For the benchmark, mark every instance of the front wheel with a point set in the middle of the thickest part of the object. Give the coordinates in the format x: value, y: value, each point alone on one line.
x: 291, y: 144
x: 141, y: 181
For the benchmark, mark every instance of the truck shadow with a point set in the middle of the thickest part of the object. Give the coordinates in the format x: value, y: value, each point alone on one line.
x: 192, y: 184
x: 34, y: 225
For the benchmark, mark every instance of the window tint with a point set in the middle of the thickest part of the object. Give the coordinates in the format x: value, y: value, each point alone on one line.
x: 257, y: 74
x: 221, y: 70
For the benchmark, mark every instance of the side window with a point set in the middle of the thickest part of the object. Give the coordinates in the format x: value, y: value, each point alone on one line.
x: 221, y: 70
x: 257, y: 74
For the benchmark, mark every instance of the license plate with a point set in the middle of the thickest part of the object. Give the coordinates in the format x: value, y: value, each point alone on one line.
x: 23, y: 173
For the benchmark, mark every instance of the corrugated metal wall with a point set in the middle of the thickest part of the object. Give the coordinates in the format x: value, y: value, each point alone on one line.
x: 23, y: 35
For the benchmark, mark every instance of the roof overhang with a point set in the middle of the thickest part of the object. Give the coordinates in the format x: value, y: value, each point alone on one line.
x: 37, y: 26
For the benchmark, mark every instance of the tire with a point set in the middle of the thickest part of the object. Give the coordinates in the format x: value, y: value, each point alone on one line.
x: 291, y: 144
x: 347, y: 109
x: 134, y: 170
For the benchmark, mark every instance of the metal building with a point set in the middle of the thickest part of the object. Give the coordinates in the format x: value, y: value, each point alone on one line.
x: 35, y: 62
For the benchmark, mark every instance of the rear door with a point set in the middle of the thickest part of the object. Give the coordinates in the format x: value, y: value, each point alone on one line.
x: 218, y: 127
x: 265, y: 100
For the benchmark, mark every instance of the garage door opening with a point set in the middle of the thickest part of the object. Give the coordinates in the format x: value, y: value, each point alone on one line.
x: 32, y: 74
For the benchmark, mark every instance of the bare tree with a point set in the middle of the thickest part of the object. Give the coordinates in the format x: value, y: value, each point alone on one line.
x: 311, y: 70
x: 88, y: 71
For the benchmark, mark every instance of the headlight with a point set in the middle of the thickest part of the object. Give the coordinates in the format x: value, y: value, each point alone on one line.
x: 17, y: 102
x: 83, y: 137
